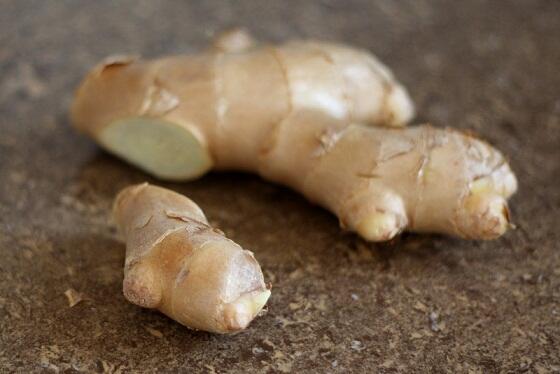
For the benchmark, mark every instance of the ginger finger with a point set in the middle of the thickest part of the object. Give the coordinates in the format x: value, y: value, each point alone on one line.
x: 380, y: 182
x: 178, y: 264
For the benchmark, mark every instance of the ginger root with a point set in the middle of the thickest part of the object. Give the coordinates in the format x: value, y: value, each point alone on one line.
x: 177, y: 263
x: 299, y: 114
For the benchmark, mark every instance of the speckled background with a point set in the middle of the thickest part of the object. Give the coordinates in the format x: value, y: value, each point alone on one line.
x: 419, y: 304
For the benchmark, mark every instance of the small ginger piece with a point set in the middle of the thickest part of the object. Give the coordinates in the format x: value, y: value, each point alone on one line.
x: 302, y: 114
x: 177, y: 263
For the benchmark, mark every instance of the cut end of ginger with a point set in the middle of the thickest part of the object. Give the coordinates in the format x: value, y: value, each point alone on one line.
x: 164, y: 149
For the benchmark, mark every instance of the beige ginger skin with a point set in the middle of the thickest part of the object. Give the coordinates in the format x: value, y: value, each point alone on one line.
x: 305, y: 114
x: 177, y: 263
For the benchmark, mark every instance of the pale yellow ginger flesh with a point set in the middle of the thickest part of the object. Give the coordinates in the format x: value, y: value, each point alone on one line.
x: 177, y: 263
x: 302, y: 114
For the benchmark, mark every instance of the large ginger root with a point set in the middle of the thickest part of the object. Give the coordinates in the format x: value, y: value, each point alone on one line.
x: 287, y: 112
x: 177, y: 263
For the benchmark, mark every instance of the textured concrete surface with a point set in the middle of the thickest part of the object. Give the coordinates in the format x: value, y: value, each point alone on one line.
x: 419, y: 304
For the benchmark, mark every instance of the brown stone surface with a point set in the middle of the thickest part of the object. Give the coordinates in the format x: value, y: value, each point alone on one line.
x: 339, y: 304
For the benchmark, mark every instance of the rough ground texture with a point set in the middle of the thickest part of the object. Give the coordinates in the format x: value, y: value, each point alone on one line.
x: 419, y: 304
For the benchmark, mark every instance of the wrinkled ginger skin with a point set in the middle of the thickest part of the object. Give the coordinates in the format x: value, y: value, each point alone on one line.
x: 178, y: 264
x: 302, y: 114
